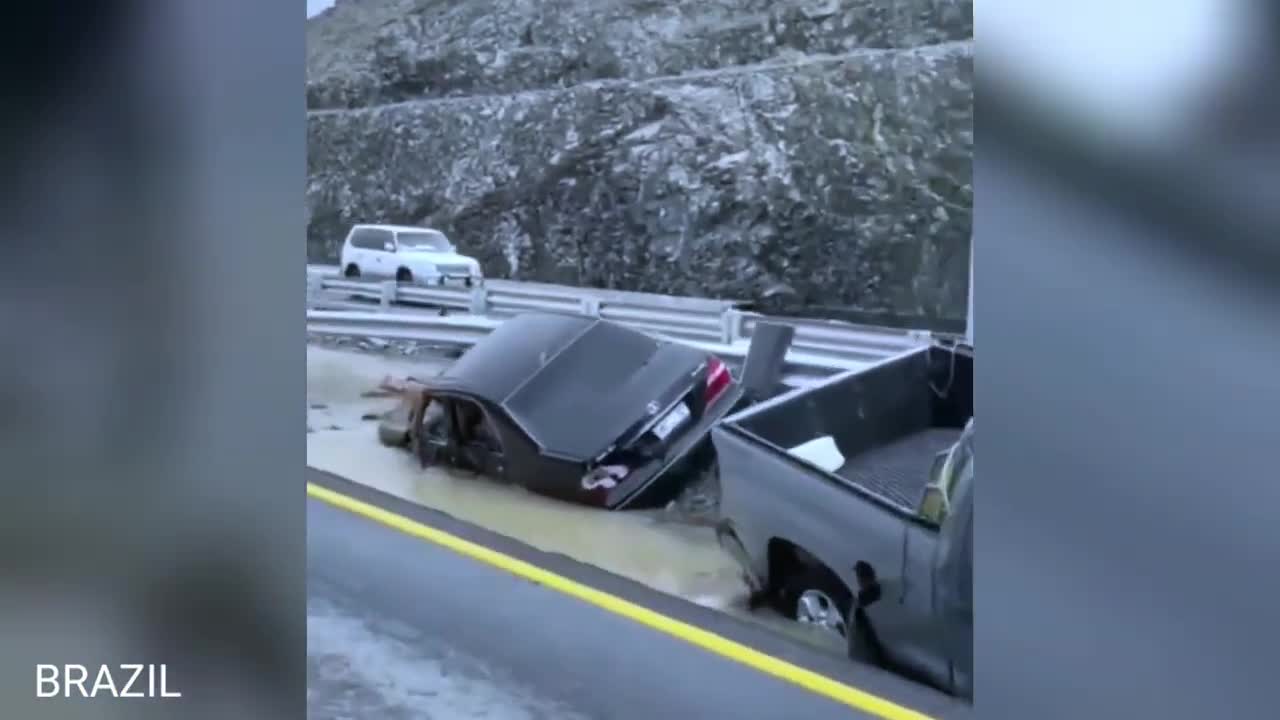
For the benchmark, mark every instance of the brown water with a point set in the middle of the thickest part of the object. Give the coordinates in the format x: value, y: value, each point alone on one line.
x: 673, y: 558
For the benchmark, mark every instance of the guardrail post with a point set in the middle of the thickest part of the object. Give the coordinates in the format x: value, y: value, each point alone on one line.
x: 315, y: 285
x: 479, y: 300
x: 388, y: 294
x: 591, y: 306
x: 730, y: 326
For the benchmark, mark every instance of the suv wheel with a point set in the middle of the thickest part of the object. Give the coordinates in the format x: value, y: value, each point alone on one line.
x: 815, y: 596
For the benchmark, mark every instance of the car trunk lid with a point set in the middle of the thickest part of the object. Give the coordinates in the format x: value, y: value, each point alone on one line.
x: 594, y: 393
x: 674, y: 427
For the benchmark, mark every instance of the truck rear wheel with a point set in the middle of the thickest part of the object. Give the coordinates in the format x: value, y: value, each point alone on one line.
x: 815, y: 596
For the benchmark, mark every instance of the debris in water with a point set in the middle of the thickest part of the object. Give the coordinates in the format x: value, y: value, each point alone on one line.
x: 671, y: 557
x: 698, y: 503
x: 390, y: 387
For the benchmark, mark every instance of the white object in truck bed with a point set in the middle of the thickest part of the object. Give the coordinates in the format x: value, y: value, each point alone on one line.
x: 821, y: 451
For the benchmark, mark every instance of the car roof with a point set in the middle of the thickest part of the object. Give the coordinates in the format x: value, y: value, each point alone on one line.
x: 572, y: 383
x: 513, y: 352
x: 395, y: 228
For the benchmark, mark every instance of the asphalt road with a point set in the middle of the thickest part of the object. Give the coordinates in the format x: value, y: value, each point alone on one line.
x: 402, y: 628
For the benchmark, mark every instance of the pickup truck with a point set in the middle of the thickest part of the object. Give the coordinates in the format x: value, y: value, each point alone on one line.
x: 873, y: 470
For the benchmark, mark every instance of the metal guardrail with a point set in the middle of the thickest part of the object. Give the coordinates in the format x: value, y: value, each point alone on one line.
x: 462, y: 331
x: 450, y: 331
x: 819, y: 348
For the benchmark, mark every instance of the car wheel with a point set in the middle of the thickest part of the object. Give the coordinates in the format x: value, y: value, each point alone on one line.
x: 403, y: 276
x: 352, y: 271
x: 815, y: 596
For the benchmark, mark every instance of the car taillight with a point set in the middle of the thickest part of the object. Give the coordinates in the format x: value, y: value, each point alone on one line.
x: 718, y: 379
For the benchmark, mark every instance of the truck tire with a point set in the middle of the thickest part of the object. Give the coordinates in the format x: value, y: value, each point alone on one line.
x: 816, y: 596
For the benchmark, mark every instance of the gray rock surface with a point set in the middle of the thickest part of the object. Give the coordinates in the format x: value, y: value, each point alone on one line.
x: 712, y: 148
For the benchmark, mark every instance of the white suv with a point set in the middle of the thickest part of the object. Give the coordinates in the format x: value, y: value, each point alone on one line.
x: 408, y: 254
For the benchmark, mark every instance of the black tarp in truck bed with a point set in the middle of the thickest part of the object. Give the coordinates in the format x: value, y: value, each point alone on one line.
x: 899, y: 470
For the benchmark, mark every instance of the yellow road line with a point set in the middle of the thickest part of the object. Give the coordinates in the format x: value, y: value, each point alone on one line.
x: 807, y: 679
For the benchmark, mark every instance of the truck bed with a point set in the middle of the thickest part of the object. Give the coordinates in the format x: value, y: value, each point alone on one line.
x: 899, y: 470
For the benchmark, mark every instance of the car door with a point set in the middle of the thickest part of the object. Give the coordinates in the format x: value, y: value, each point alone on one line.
x: 436, y: 443
x: 478, y: 439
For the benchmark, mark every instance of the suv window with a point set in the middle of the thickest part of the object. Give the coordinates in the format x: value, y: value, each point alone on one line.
x: 424, y: 240
x: 370, y: 238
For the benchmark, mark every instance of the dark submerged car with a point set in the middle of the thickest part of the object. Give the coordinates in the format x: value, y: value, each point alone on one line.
x: 578, y: 408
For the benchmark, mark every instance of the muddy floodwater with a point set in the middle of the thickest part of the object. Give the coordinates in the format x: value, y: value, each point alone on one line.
x: 672, y: 557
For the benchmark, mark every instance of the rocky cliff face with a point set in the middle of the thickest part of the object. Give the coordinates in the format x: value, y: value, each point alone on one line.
x: 717, y: 147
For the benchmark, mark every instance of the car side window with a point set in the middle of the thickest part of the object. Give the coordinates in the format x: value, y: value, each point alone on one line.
x: 360, y: 238
x: 475, y: 427
x: 370, y: 238
x: 380, y: 238
x: 435, y: 420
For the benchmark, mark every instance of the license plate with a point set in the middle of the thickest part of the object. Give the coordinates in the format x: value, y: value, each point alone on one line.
x: 673, y: 420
